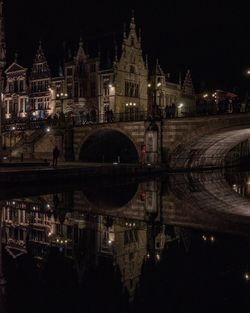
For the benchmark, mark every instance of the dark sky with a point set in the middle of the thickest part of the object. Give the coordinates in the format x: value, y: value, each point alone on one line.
x: 212, y: 39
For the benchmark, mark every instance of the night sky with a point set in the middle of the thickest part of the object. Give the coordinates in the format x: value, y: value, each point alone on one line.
x: 212, y: 39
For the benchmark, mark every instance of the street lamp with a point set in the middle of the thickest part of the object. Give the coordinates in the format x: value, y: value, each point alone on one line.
x: 153, y: 94
x: 62, y: 96
x: 12, y: 129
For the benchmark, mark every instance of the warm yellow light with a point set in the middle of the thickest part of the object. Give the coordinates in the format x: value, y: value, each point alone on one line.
x: 212, y: 239
x: 159, y: 84
x: 134, y: 104
x: 126, y: 104
x: 149, y: 85
x: 246, y: 276
x: 110, y: 85
x: 130, y: 103
x: 204, y: 238
x: 205, y: 95
x: 248, y: 72
x: 180, y: 105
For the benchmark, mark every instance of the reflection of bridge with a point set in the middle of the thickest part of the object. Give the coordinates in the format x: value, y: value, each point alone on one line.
x: 199, y: 200
x: 182, y: 142
x: 126, y: 223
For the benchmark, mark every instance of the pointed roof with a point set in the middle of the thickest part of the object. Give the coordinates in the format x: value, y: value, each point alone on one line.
x: 187, y: 87
x: 14, y: 67
x: 132, y: 38
x: 40, y: 56
x: 158, y: 70
x: 16, y: 248
x: 81, y: 55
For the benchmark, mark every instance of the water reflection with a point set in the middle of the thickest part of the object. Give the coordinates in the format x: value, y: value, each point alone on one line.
x: 128, y: 246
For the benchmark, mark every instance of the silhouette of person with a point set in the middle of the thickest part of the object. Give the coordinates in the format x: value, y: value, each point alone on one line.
x: 56, y: 153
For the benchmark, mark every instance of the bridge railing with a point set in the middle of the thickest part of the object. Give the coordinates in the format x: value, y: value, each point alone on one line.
x: 108, y: 118
x: 63, y: 121
x: 83, y: 120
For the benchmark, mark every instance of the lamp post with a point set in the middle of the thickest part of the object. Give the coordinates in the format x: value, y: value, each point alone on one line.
x: 62, y: 96
x: 12, y: 129
x: 153, y: 96
x: 247, y: 93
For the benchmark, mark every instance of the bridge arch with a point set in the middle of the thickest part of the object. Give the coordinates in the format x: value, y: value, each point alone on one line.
x: 208, y: 151
x: 108, y: 145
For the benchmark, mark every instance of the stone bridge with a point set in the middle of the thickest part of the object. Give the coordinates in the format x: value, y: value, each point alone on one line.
x: 181, y: 143
x: 203, y: 142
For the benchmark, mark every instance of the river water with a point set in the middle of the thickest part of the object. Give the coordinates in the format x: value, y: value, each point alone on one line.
x: 178, y: 243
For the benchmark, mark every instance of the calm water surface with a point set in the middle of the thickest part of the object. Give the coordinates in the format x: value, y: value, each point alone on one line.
x: 170, y: 244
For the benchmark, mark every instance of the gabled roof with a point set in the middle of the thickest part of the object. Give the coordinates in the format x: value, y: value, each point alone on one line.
x: 187, y: 87
x: 16, y: 249
x: 14, y: 67
x: 158, y: 70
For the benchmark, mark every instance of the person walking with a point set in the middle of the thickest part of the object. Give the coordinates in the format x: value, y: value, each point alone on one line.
x: 56, y: 153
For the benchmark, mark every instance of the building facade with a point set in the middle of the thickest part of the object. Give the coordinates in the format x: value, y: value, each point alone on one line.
x: 123, y: 87
x: 84, y: 88
x: 163, y: 94
x: 16, y: 94
x: 39, y: 84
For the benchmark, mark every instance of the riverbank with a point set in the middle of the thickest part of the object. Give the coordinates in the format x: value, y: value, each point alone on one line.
x: 41, y: 173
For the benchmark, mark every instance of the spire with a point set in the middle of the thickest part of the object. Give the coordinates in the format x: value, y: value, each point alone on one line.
x: 60, y: 70
x: 116, y: 52
x: 81, y: 55
x: 124, y: 31
x: 132, y: 23
x: 187, y: 88
x: 158, y: 69
x: 40, y: 57
x: 69, y: 54
x: 146, y: 61
x: 2, y: 38
x: 81, y: 42
x: 139, y: 35
x: 180, y: 79
x: 16, y: 57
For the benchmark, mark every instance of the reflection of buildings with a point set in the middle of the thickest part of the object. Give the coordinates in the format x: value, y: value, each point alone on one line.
x: 240, y: 182
x: 39, y: 224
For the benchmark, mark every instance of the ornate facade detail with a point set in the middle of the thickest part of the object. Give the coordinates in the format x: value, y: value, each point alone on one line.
x: 81, y: 79
x: 40, y: 80
x: 16, y: 91
x: 123, y: 87
x: 86, y: 88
